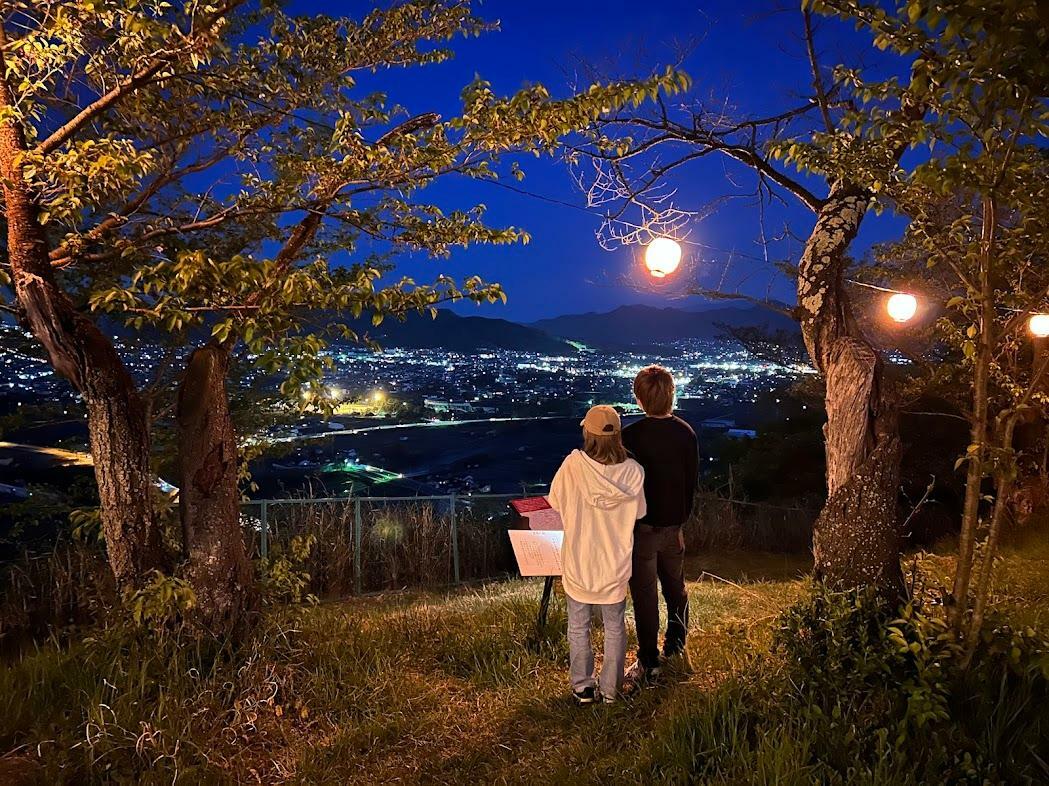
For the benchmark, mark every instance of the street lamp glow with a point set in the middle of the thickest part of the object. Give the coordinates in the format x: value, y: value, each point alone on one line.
x: 1039, y: 325
x: 662, y: 257
x: 902, y: 307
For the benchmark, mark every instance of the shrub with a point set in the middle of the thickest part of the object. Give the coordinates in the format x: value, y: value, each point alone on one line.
x: 853, y: 692
x: 282, y: 574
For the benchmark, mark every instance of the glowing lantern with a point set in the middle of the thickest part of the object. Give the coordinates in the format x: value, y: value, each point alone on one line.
x: 902, y: 307
x: 1039, y: 325
x: 662, y: 257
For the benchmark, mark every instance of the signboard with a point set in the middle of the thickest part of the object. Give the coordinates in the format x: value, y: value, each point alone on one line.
x: 538, y: 513
x: 538, y: 553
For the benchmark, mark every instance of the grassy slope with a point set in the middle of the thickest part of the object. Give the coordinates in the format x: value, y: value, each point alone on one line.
x: 483, y: 695
x: 413, y: 688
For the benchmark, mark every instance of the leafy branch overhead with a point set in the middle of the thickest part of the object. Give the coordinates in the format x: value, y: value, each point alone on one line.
x: 246, y: 161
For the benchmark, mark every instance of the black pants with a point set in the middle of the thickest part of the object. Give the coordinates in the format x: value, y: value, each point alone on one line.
x: 658, y: 563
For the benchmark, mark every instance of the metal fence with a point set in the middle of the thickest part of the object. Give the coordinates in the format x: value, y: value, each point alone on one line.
x: 373, y: 543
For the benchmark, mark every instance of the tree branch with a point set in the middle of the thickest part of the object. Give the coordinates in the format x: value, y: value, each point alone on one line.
x: 138, y: 79
x: 817, y: 77
x: 716, y: 294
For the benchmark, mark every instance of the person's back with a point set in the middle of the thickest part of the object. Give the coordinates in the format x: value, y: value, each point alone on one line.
x: 667, y: 449
x: 599, y: 505
x: 599, y: 492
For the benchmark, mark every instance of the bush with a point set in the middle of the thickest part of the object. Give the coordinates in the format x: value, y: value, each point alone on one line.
x: 852, y: 693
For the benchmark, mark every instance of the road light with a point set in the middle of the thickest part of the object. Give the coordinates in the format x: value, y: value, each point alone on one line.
x: 662, y: 257
x: 1039, y: 325
x: 902, y: 307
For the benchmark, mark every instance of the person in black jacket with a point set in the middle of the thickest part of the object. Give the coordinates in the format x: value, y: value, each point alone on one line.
x: 666, y: 447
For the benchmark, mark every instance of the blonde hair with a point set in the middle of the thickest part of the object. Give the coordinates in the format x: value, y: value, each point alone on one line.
x: 604, y: 448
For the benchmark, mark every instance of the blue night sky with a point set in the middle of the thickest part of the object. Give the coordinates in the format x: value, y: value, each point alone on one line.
x: 745, y: 51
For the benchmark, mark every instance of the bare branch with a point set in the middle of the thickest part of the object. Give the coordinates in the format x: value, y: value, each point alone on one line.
x: 817, y: 76
x: 716, y: 294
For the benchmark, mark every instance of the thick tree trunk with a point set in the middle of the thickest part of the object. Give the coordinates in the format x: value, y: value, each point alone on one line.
x: 118, y: 417
x: 856, y: 539
x: 209, y: 500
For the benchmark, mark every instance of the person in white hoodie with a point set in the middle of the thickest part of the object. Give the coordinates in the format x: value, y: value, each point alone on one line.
x: 599, y: 492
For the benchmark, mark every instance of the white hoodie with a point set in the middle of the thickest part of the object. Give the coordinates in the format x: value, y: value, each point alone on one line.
x: 598, y: 504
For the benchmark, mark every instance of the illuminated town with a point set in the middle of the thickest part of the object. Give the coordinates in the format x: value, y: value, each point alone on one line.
x: 423, y: 421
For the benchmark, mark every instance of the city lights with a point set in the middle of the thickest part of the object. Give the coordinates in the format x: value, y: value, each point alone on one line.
x: 1039, y: 325
x: 662, y: 257
x: 902, y: 307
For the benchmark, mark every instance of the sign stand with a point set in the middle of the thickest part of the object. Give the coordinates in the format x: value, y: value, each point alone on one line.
x: 541, y: 550
x: 544, y: 604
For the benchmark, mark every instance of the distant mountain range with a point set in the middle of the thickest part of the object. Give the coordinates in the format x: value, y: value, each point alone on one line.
x: 621, y: 328
x: 640, y: 325
x: 464, y: 334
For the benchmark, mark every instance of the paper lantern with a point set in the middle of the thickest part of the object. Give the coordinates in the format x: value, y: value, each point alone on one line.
x: 662, y: 257
x: 1039, y: 325
x: 902, y: 307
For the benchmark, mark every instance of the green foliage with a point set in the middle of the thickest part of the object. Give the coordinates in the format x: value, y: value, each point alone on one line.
x: 859, y: 674
x: 379, y: 689
x: 162, y: 602
x: 224, y: 217
x: 975, y: 194
x: 86, y: 525
x: 282, y: 575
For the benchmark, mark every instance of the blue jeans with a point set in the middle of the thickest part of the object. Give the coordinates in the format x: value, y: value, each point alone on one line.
x: 581, y: 653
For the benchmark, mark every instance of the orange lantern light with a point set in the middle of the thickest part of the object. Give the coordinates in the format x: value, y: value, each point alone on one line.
x: 662, y: 257
x: 1038, y: 324
x: 902, y: 307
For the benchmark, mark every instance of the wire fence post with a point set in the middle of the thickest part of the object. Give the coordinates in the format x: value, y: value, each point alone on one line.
x: 455, y: 542
x: 357, y: 544
x: 264, y: 533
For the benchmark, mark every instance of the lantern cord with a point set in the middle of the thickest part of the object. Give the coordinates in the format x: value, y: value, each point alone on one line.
x: 875, y: 287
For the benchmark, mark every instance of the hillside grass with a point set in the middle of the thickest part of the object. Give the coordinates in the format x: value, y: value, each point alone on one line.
x: 456, y: 687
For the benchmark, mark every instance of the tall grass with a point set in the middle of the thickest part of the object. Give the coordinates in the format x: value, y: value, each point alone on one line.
x: 71, y: 585
x: 127, y: 706
x: 461, y: 687
x: 401, y: 544
x: 721, y: 523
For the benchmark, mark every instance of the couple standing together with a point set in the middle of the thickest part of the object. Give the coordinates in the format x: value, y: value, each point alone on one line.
x: 623, y: 498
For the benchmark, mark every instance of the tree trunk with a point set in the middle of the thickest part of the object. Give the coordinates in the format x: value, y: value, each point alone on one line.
x: 856, y: 539
x: 1004, y: 479
x: 118, y: 417
x: 209, y: 500
x: 959, y: 600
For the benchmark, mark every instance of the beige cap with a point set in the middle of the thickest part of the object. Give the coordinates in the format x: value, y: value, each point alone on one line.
x: 601, y: 420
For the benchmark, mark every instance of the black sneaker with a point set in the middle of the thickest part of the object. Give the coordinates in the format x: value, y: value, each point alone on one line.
x: 638, y: 676
x: 585, y: 696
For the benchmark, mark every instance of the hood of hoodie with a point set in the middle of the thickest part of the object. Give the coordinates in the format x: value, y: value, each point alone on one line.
x: 608, y: 485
